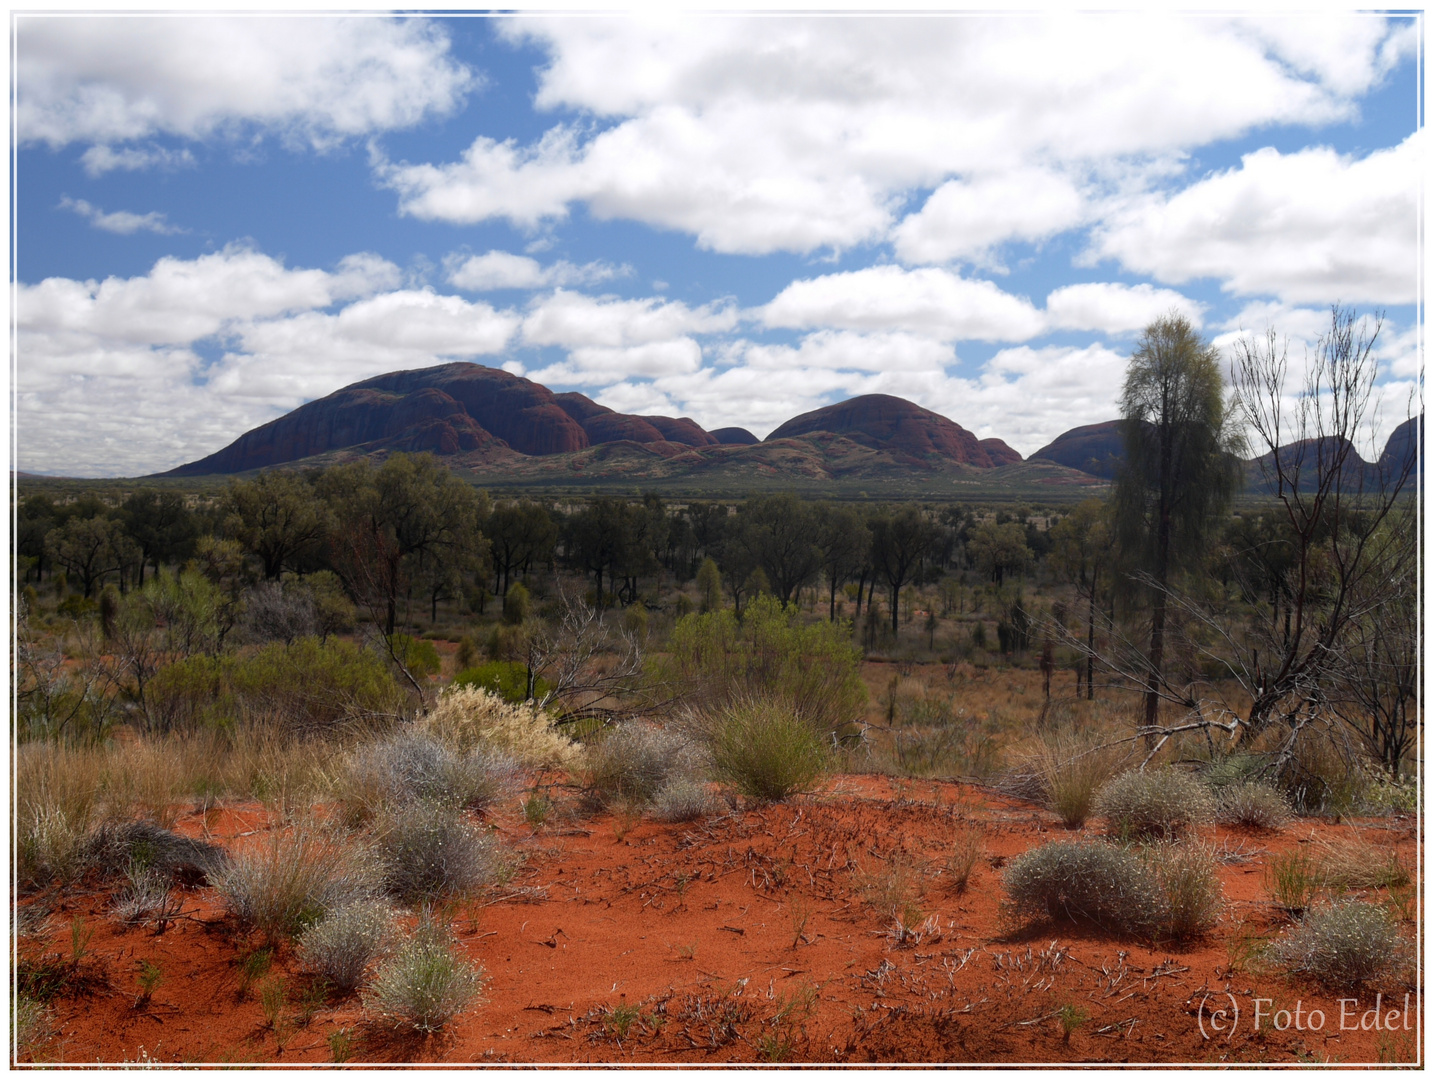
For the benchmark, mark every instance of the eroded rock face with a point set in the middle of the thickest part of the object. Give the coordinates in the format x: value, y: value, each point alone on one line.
x: 999, y: 452
x: 1095, y: 448
x: 894, y: 424
x: 1403, y: 449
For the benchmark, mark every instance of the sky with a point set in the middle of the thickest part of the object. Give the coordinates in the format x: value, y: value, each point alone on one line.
x: 732, y: 218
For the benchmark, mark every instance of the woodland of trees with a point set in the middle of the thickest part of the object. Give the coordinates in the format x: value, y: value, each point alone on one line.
x: 1280, y: 610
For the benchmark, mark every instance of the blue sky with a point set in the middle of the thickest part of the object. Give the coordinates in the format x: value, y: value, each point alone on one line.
x: 731, y: 218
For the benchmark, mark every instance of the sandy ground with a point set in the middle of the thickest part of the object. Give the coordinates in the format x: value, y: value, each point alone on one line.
x: 753, y: 937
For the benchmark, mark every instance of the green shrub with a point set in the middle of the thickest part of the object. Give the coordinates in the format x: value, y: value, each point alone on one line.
x: 632, y: 763
x: 1341, y: 945
x: 311, y: 683
x: 420, y: 656
x: 1189, y: 877
x: 1161, y: 802
x: 289, y: 882
x: 506, y: 678
x: 815, y: 668
x: 766, y: 750
x: 341, y: 945
x: 426, y: 982
x: 1096, y: 882
x: 517, y: 604
x: 1253, y: 805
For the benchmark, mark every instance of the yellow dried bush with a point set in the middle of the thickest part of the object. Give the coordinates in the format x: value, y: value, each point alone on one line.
x: 466, y: 716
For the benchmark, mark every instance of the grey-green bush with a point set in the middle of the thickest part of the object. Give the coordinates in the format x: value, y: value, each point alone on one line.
x: 1096, y: 882
x: 765, y: 750
x: 1189, y: 877
x: 683, y: 799
x: 114, y: 848
x: 426, y: 982
x: 414, y: 766
x: 1341, y: 945
x: 341, y: 945
x: 282, y: 885
x: 1161, y: 802
x: 427, y: 850
x: 633, y: 763
x: 1253, y: 805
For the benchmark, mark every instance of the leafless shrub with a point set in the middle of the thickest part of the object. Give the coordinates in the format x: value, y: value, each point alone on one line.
x: 274, y: 613
x: 413, y: 766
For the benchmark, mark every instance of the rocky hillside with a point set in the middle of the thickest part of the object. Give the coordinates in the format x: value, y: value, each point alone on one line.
x: 893, y: 424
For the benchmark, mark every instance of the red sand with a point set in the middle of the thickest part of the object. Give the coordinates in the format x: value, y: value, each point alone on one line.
x: 744, y: 939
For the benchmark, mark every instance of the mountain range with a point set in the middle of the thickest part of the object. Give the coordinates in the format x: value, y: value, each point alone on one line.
x: 505, y: 429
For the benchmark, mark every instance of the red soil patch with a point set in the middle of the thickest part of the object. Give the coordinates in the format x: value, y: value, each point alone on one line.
x: 745, y: 938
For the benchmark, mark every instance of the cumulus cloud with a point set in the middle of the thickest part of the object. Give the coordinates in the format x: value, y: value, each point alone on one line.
x: 1111, y: 308
x: 98, y: 160
x: 932, y: 302
x: 1309, y: 226
x: 123, y: 222
x: 109, y: 80
x: 797, y: 134
x: 967, y: 219
x: 504, y: 270
x: 128, y: 355
x: 574, y: 320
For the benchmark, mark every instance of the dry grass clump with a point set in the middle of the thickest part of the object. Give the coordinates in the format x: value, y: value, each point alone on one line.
x: 635, y: 762
x: 1358, y: 864
x: 426, y: 982
x: 31, y: 1024
x: 966, y: 848
x: 284, y: 884
x: 1342, y: 945
x: 1070, y: 767
x: 466, y: 716
x: 414, y: 766
x: 1162, y: 802
x: 684, y: 798
x: 426, y: 850
x: 1188, y: 875
x: 56, y: 800
x: 341, y: 945
x: 145, y: 897
x: 1096, y: 882
x: 1253, y: 805
x: 1292, y: 878
x: 766, y: 750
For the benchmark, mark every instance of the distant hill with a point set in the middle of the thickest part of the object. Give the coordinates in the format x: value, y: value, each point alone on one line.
x: 505, y: 429
x: 902, y: 428
x: 1095, y: 448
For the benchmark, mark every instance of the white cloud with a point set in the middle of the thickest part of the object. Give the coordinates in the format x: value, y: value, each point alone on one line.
x: 116, y: 358
x: 1310, y: 226
x: 966, y: 219
x: 123, y: 222
x: 931, y: 302
x: 759, y: 135
x: 1111, y: 308
x: 574, y: 320
x: 504, y: 270
x: 98, y: 160
x: 180, y: 301
x: 107, y: 80
x: 847, y: 351
x: 597, y: 365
